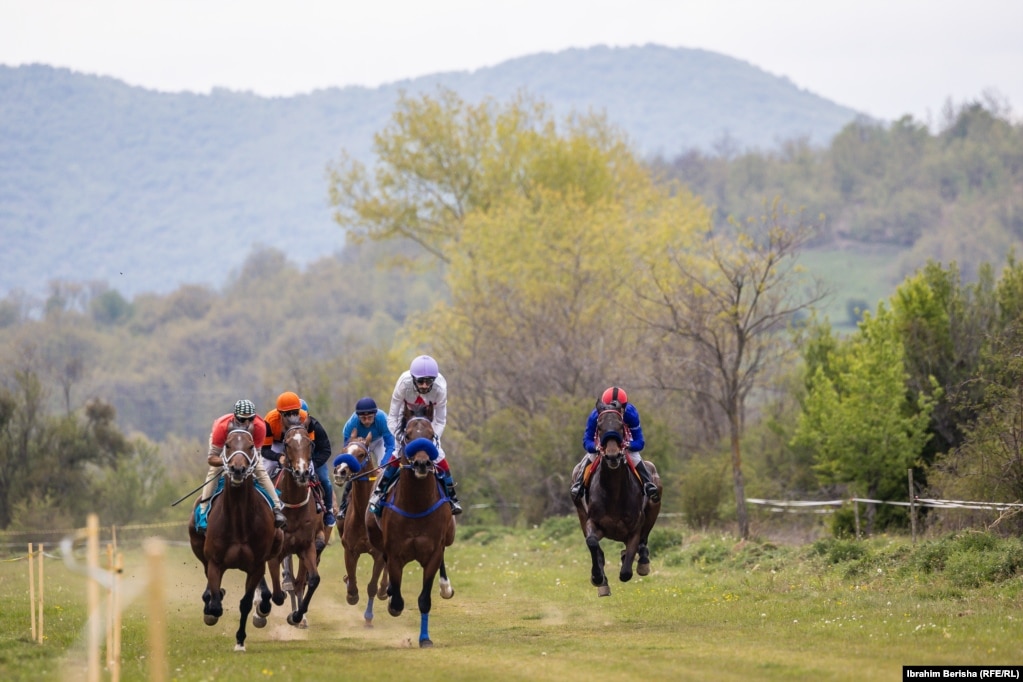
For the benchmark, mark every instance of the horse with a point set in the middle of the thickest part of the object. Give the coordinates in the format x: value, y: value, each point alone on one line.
x: 415, y: 524
x: 351, y: 465
x: 240, y: 533
x: 614, y: 506
x: 305, y: 536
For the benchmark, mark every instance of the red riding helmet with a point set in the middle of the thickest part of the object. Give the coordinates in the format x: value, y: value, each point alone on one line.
x: 615, y: 397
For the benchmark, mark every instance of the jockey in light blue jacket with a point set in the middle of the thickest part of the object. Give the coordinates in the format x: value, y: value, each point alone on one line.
x: 367, y: 420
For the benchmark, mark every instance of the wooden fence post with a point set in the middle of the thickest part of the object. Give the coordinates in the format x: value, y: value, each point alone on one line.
x: 912, y: 506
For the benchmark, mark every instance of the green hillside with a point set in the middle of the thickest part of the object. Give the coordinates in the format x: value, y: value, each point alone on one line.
x: 146, y: 191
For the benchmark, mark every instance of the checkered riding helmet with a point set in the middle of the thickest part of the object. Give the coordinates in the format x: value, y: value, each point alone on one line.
x: 243, y: 409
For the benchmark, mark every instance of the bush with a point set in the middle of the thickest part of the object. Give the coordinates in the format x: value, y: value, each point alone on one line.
x: 702, y: 490
x: 836, y: 551
x: 662, y: 540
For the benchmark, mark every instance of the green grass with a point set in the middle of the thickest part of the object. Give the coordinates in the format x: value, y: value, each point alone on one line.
x: 524, y: 610
x: 862, y: 275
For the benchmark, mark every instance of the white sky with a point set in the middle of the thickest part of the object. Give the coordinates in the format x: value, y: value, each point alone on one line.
x: 883, y: 57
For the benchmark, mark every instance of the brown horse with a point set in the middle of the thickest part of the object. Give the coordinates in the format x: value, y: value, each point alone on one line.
x: 355, y: 464
x: 614, y: 506
x: 416, y: 523
x: 240, y: 532
x: 305, y: 534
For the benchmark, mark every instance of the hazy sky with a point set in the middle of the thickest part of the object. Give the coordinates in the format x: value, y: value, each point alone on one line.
x: 884, y: 57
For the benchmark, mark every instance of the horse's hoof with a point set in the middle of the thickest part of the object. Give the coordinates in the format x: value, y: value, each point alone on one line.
x: 300, y: 624
x: 625, y: 576
x: 353, y: 599
x: 210, y: 620
x: 643, y: 568
x: 259, y: 621
x: 425, y: 644
x: 446, y: 591
x: 369, y: 622
x: 278, y: 598
x: 393, y: 611
x: 239, y: 647
x: 603, y: 590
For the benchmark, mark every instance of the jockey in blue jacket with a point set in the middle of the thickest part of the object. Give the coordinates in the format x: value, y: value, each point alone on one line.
x: 367, y: 420
x: 615, y: 398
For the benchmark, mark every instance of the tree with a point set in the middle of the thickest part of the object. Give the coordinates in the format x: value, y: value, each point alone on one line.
x: 537, y: 226
x: 857, y: 418
x: 724, y: 307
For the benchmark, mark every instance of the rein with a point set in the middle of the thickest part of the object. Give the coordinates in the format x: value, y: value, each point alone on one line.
x: 389, y: 503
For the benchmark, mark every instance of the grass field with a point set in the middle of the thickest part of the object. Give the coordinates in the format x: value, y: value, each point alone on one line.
x: 524, y: 610
x: 862, y: 275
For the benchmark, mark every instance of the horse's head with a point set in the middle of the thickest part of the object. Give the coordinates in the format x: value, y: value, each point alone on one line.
x: 353, y: 458
x: 418, y: 427
x: 420, y: 453
x: 298, y: 454
x: 611, y: 435
x: 239, y: 458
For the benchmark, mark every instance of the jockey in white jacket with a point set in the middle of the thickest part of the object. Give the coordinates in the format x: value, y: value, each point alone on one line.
x: 422, y: 385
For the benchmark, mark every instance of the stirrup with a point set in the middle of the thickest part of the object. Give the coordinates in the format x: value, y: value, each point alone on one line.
x: 577, y: 490
x: 374, y: 504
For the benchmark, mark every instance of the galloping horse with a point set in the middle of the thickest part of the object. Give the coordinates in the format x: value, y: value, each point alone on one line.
x: 304, y: 536
x: 240, y: 532
x: 614, y: 506
x: 351, y: 465
x: 416, y: 523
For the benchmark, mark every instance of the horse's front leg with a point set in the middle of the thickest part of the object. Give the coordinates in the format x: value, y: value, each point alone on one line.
x: 628, y: 556
x: 310, y: 579
x: 395, y: 602
x: 351, y: 582
x: 263, y: 605
x: 213, y: 596
x: 252, y: 580
x: 597, y: 577
x: 274, y: 566
x: 425, y: 600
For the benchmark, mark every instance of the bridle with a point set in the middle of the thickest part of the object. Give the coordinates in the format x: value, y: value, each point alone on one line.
x: 303, y: 477
x: 624, y: 437
x: 250, y: 459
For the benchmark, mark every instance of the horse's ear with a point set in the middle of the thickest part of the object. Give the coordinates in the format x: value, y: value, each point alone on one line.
x: 369, y: 437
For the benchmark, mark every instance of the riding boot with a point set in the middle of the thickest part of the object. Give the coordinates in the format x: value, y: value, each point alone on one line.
x: 577, y: 488
x: 280, y: 521
x: 649, y: 487
x: 449, y: 490
x: 377, y: 498
x: 201, y: 513
x: 344, y: 501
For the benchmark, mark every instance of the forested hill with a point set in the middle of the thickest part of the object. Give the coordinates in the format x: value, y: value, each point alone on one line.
x: 101, y: 181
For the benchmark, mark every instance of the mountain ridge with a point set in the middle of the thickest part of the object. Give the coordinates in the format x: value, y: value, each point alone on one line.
x: 146, y: 190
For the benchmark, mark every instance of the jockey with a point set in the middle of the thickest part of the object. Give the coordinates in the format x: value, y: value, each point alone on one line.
x: 368, y: 420
x: 291, y: 411
x: 422, y: 385
x: 243, y: 417
x: 615, y: 398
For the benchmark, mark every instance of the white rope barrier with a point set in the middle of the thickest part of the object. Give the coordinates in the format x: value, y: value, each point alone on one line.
x: 813, y: 506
